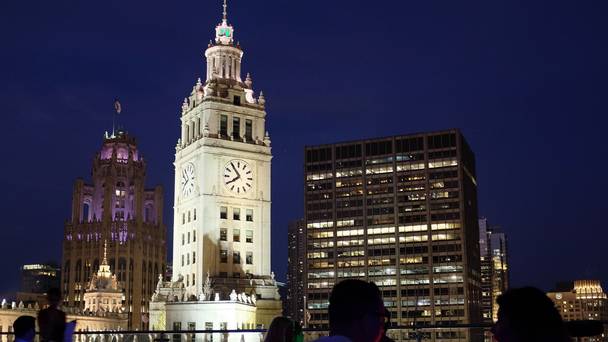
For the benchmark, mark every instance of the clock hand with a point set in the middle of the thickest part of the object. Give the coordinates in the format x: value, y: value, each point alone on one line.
x: 235, y: 170
x: 233, y: 180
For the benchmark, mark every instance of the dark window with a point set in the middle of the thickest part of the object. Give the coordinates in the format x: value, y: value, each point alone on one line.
x: 378, y: 148
x: 223, y: 256
x: 223, y: 213
x: 224, y: 125
x: 236, y: 257
x: 223, y: 234
x: 237, y: 100
x: 442, y: 141
x: 248, y: 130
x: 236, y: 127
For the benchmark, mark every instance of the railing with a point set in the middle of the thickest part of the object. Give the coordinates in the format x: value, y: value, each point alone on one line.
x: 462, y: 332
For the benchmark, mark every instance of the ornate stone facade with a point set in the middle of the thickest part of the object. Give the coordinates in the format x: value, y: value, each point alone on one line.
x: 221, y: 241
x: 116, y: 208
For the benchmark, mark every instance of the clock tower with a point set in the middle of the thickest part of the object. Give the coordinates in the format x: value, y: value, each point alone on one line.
x: 222, y: 174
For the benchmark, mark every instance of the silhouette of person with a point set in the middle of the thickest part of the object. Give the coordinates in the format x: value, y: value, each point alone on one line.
x: 527, y: 315
x: 283, y: 329
x: 51, y: 321
x: 356, y: 312
x: 24, y: 328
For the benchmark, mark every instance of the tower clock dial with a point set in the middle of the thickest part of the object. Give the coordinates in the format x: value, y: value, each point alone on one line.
x: 188, y: 179
x: 238, y: 177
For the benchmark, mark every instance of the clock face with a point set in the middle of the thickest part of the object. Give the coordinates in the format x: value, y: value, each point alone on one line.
x: 188, y: 178
x: 238, y: 177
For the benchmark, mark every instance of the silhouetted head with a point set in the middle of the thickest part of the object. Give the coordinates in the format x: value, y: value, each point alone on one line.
x: 281, y: 330
x: 356, y: 311
x: 53, y: 296
x: 24, y: 328
x: 527, y: 315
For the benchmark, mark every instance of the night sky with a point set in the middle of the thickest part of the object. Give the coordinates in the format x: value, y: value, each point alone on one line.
x: 526, y: 82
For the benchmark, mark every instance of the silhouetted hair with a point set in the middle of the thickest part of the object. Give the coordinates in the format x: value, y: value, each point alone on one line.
x: 24, y: 324
x: 531, y: 316
x: 53, y: 295
x: 351, y: 299
x: 281, y: 330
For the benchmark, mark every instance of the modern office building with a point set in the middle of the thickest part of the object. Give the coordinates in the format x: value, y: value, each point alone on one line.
x: 296, y: 258
x: 582, y: 300
x: 402, y: 212
x: 36, y: 280
x: 115, y: 208
x: 494, y: 268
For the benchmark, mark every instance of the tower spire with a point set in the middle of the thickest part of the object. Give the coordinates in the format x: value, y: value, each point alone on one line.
x: 225, y: 14
x: 105, y: 253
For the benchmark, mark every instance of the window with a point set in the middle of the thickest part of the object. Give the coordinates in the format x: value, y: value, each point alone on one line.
x: 194, y: 236
x: 183, y: 239
x: 236, y: 214
x: 194, y: 214
x: 192, y: 325
x: 223, y: 213
x: 184, y: 218
x: 249, y: 236
x: 187, y: 280
x: 236, y: 257
x: 193, y: 277
x: 236, y: 127
x: 249, y: 258
x: 188, y: 237
x: 249, y: 215
x: 236, y: 235
x: 223, y: 234
x: 187, y: 259
x: 248, y: 130
x: 188, y: 216
x: 237, y: 100
x: 183, y: 260
x: 223, y: 256
x: 177, y: 326
x: 224, y: 125
x: 193, y: 258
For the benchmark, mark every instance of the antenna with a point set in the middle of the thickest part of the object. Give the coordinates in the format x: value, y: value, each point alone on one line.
x: 225, y: 17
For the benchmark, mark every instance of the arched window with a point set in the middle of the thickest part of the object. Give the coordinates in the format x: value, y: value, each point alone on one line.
x: 78, y: 271
x: 85, y: 212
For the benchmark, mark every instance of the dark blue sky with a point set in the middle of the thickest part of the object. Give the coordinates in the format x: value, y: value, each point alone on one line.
x: 526, y: 81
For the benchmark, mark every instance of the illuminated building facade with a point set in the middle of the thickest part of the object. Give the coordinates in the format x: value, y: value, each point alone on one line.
x: 296, y: 257
x: 116, y: 208
x: 401, y: 212
x: 221, y: 276
x: 582, y: 300
x: 494, y: 268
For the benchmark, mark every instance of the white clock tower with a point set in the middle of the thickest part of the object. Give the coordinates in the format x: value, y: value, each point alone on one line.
x: 221, y: 232
x: 222, y: 174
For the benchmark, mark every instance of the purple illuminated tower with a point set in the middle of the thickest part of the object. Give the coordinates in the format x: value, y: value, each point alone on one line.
x: 116, y: 208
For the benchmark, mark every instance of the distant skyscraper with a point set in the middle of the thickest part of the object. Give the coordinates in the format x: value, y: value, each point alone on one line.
x: 583, y: 299
x: 494, y: 268
x: 39, y: 278
x: 116, y: 208
x: 401, y: 212
x: 36, y: 280
x: 296, y: 257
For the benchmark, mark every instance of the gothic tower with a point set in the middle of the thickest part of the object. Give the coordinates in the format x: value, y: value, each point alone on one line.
x: 118, y: 208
